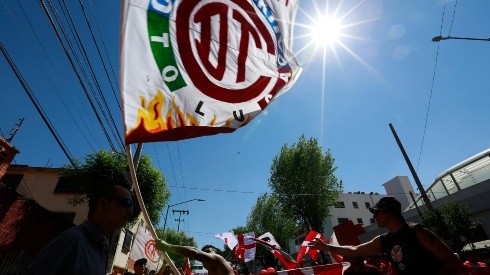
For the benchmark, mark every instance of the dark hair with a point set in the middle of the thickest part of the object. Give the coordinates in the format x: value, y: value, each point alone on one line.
x: 216, y: 250
x: 103, y: 190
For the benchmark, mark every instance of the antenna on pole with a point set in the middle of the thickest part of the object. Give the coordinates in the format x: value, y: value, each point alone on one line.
x: 13, y: 131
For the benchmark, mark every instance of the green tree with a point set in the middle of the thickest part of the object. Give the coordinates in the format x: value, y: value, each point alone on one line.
x: 107, y: 168
x: 267, y: 215
x: 452, y: 222
x: 302, y: 178
x: 179, y: 238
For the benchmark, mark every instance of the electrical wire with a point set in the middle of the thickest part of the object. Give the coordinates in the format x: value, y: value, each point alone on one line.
x: 38, y: 107
x: 104, y: 107
x: 68, y: 110
x: 431, y: 89
x: 77, y: 73
x: 98, y: 52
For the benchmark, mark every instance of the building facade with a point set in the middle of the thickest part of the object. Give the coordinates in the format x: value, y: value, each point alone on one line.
x: 354, y: 206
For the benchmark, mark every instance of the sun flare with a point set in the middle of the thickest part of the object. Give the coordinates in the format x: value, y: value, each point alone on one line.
x: 326, y: 31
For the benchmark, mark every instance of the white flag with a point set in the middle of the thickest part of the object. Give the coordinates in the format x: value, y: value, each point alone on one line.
x: 267, y: 237
x: 144, y: 247
x: 202, y: 67
x: 229, y: 238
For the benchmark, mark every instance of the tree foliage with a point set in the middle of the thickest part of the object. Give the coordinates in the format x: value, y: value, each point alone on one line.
x: 107, y: 168
x: 302, y: 178
x: 179, y: 238
x: 452, y: 222
x: 267, y: 215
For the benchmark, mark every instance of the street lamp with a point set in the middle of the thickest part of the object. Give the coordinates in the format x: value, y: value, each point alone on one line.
x: 168, y: 207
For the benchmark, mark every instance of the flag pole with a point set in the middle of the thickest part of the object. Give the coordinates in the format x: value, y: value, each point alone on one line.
x: 141, y: 203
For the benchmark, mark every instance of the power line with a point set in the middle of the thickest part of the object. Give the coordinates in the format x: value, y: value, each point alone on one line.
x: 68, y: 110
x: 105, y: 107
x: 77, y: 73
x: 98, y: 51
x: 38, y: 107
x: 431, y: 89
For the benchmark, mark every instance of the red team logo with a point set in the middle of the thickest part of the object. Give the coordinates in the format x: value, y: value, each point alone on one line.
x: 151, y: 252
x: 217, y: 61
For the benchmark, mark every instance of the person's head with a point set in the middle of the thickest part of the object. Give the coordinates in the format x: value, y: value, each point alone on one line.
x: 140, y: 266
x: 211, y: 249
x: 385, y: 209
x: 111, y: 206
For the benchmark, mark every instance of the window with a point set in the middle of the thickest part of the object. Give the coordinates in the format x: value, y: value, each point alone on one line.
x: 359, y: 220
x: 367, y: 204
x: 128, y: 237
x: 340, y: 204
x: 342, y: 220
x: 372, y: 220
x: 354, y: 204
x: 12, y: 181
x: 65, y: 185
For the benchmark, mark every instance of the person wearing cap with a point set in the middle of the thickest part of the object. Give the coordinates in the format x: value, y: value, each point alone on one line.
x: 411, y: 248
x: 209, y: 256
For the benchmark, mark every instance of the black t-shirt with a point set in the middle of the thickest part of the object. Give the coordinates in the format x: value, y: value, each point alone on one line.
x: 406, y: 254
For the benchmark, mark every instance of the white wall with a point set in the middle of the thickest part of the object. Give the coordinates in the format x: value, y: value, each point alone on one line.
x: 39, y: 184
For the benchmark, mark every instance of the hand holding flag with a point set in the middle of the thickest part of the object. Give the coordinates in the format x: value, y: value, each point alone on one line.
x: 306, y: 248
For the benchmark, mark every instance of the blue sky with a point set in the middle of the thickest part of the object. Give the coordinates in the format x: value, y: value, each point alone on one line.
x: 384, y: 73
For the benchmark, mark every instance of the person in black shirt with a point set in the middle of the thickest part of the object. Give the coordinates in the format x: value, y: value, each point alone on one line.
x: 411, y: 248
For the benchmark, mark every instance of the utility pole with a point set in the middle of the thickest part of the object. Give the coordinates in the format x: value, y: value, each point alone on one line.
x: 180, y: 214
x: 410, y: 166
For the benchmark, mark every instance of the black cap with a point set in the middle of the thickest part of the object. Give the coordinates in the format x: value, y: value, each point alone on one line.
x: 141, y: 262
x: 390, y: 204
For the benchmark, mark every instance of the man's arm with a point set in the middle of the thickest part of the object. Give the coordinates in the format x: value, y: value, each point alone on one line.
x: 373, y: 247
x: 450, y: 263
x: 189, y: 252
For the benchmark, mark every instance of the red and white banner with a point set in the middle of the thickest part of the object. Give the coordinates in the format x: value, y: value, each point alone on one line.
x: 202, y: 67
x: 245, y: 250
x: 229, y: 238
x: 144, y: 247
x: 305, y: 249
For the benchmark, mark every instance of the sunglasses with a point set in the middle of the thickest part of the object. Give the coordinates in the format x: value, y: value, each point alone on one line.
x: 124, y: 202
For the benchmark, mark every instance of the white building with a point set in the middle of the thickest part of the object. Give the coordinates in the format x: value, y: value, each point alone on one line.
x: 354, y: 206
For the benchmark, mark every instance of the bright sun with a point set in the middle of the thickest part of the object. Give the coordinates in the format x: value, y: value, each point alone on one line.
x: 326, y: 31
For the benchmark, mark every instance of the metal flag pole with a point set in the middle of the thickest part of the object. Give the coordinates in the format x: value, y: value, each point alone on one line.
x: 141, y: 203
